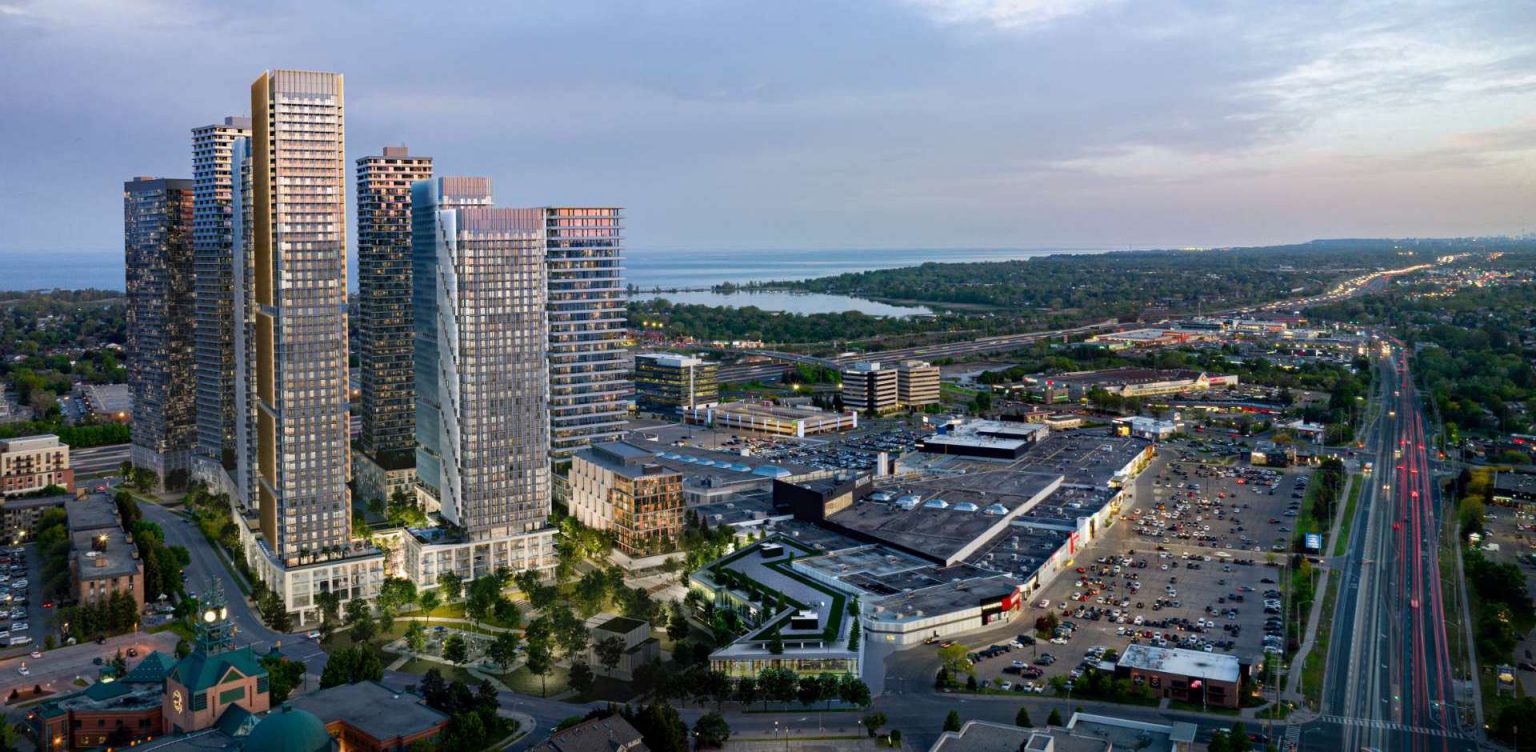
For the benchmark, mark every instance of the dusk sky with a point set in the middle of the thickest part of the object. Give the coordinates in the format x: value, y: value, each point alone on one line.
x: 823, y: 124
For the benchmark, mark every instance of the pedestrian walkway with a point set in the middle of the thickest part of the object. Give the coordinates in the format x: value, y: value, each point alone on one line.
x: 1390, y: 726
x: 1292, y: 692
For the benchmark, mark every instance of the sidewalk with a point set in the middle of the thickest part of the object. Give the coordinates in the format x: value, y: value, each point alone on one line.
x: 1292, y: 691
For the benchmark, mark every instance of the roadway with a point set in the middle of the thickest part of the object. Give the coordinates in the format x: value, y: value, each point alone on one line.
x: 1389, y: 682
x: 98, y: 460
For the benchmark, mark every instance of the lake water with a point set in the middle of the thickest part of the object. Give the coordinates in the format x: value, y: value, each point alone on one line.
x: 646, y: 269
x: 789, y: 302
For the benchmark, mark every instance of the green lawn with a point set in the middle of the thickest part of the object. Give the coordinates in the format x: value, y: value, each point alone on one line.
x: 450, y: 673
x: 1341, y: 538
x: 1317, y: 661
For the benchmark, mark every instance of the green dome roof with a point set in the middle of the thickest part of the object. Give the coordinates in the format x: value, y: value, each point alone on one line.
x: 289, y: 730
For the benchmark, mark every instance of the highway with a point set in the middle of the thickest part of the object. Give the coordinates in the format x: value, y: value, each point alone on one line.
x: 98, y: 460
x: 1389, y: 683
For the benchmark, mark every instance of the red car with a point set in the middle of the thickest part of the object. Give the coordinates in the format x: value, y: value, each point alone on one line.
x: 47, y: 604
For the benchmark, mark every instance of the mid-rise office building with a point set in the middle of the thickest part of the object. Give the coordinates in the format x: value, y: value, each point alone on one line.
x: 387, y: 459
x: 589, y: 380
x: 621, y: 488
x: 481, y: 340
x: 666, y: 382
x: 157, y: 245
x: 917, y: 383
x: 213, y: 181
x: 298, y: 279
x: 870, y: 387
x: 33, y: 463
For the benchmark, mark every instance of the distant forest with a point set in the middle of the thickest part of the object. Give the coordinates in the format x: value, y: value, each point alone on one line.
x: 1000, y: 297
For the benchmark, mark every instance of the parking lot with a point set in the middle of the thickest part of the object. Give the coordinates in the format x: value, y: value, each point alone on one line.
x: 1186, y: 565
x: 21, y: 609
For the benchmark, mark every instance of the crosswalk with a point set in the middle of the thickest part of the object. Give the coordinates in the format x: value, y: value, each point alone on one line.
x: 1385, y: 726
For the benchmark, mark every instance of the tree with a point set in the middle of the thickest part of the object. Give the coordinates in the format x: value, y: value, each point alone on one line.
x: 746, y: 690
x: 952, y: 721
x: 808, y: 691
x: 1021, y: 718
x: 1054, y: 719
x: 429, y: 600
x: 660, y: 727
x: 954, y: 657
x: 609, y: 650
x: 873, y: 722
x: 1237, y: 738
x: 416, y: 637
x: 283, y: 676
x: 355, y: 664
x: 395, y: 595
x: 330, y: 606
x: 711, y: 731
x: 455, y: 650
x: 452, y: 586
x: 570, y: 633
x: 778, y: 684
x: 360, y: 617
x: 539, y: 657
x: 581, y: 678
x: 853, y: 636
x: 677, y: 621
x: 503, y: 650
x: 853, y: 691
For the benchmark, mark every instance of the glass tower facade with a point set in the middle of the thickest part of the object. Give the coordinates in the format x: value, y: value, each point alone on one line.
x: 388, y: 401
x: 589, y: 380
x: 158, y: 256
x: 212, y: 238
x: 485, y: 385
x: 428, y: 197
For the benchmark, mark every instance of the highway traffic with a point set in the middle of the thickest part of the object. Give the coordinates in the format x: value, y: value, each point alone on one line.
x: 1390, y: 681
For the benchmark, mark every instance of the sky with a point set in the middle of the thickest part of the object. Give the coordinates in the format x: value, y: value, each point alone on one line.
x: 822, y: 123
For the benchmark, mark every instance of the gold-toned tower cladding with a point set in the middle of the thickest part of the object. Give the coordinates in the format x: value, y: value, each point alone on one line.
x: 261, y: 249
x: 299, y: 263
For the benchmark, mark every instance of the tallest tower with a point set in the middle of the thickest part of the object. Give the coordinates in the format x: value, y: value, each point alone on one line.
x: 299, y: 276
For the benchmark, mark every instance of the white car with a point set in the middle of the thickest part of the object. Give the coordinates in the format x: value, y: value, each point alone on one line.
x: 24, y: 671
x: 37, y: 654
x: 20, y: 626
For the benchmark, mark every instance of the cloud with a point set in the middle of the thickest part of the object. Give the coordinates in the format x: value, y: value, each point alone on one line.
x: 1007, y: 14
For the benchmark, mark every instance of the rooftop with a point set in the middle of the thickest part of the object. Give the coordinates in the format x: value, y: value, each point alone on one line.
x: 1125, y: 376
x: 104, y: 553
x: 673, y: 360
x: 91, y: 513
x: 372, y: 708
x: 620, y: 625
x: 36, y: 501
x: 945, y: 596
x: 1515, y: 482
x: 1128, y: 734
x: 743, y: 507
x: 611, y: 734
x: 983, y: 736
x: 942, y: 518
x: 30, y: 443
x: 1195, y: 664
